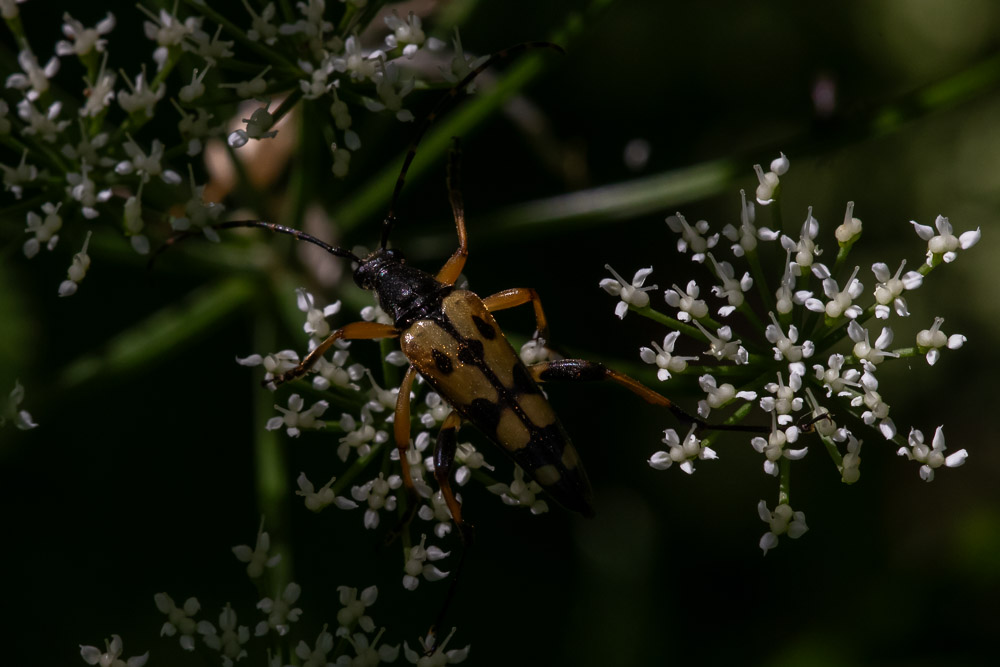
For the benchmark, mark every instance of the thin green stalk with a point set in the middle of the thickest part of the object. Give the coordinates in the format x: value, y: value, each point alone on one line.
x: 161, y: 332
x: 777, y: 216
x: 360, y: 464
x: 785, y: 486
x: 271, y: 472
x: 733, y: 420
x: 751, y: 315
x: 688, y: 330
x: 831, y: 449
x: 760, y: 281
x: 54, y: 159
x: 607, y: 203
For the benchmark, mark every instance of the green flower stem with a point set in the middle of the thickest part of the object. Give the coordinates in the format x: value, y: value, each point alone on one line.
x: 483, y: 478
x: 785, y: 486
x: 303, y: 175
x: 688, y: 330
x: 949, y: 92
x: 777, y: 218
x: 831, y: 449
x: 249, y: 67
x: 843, y: 251
x: 254, y: 198
x: 727, y: 371
x: 269, y: 55
x: 340, y: 487
x: 744, y: 307
x: 830, y: 335
x: 287, y: 105
x: 91, y: 62
x: 16, y: 27
x: 287, y: 11
x: 341, y: 398
x: 845, y: 408
x: 37, y: 147
x: 751, y: 315
x: 19, y: 209
x: 174, y: 56
x: 161, y: 333
x: 831, y: 446
x: 926, y: 268
x: 760, y: 282
x: 15, y: 144
x: 367, y: 14
x: 271, y: 467
x: 451, y: 14
x: 734, y: 419
x: 607, y: 203
x: 811, y: 320
x: 740, y: 414
x: 345, y: 24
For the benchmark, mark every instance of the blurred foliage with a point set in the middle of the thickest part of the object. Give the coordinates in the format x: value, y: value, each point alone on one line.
x: 142, y: 475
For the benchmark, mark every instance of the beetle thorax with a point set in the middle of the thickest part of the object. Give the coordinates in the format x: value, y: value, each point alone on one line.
x: 404, y: 292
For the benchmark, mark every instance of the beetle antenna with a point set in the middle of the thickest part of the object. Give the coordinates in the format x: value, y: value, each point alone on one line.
x: 442, y: 105
x: 278, y: 229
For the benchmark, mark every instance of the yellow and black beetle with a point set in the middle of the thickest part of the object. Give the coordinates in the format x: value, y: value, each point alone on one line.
x: 450, y: 337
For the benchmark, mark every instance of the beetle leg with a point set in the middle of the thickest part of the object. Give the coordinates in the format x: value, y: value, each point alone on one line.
x: 444, y: 462
x: 401, y: 427
x: 352, y: 331
x: 401, y: 433
x: 517, y: 296
x: 453, y: 267
x: 589, y: 371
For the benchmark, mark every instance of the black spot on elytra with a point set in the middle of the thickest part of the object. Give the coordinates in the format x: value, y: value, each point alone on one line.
x: 523, y: 383
x: 550, y: 440
x: 572, y: 489
x: 472, y: 352
x: 545, y: 448
x: 485, y: 328
x: 442, y: 361
x: 484, y: 414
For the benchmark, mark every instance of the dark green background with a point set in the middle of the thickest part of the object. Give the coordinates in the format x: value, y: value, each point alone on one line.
x: 141, y: 481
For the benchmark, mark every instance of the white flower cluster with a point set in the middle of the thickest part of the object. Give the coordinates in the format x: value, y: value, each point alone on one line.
x: 813, y: 338
x: 98, y: 164
x: 355, y: 641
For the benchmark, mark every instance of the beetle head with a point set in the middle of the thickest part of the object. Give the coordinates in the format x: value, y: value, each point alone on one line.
x: 372, y: 267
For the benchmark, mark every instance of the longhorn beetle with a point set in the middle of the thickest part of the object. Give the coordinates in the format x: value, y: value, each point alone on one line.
x: 450, y: 337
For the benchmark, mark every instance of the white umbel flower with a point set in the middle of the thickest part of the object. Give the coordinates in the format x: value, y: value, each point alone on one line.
x: 633, y: 293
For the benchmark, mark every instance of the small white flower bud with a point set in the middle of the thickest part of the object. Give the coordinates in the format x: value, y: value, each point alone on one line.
x: 780, y: 165
x: 850, y: 230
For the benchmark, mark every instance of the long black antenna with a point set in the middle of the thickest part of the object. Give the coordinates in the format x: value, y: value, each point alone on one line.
x: 442, y: 105
x: 278, y: 229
